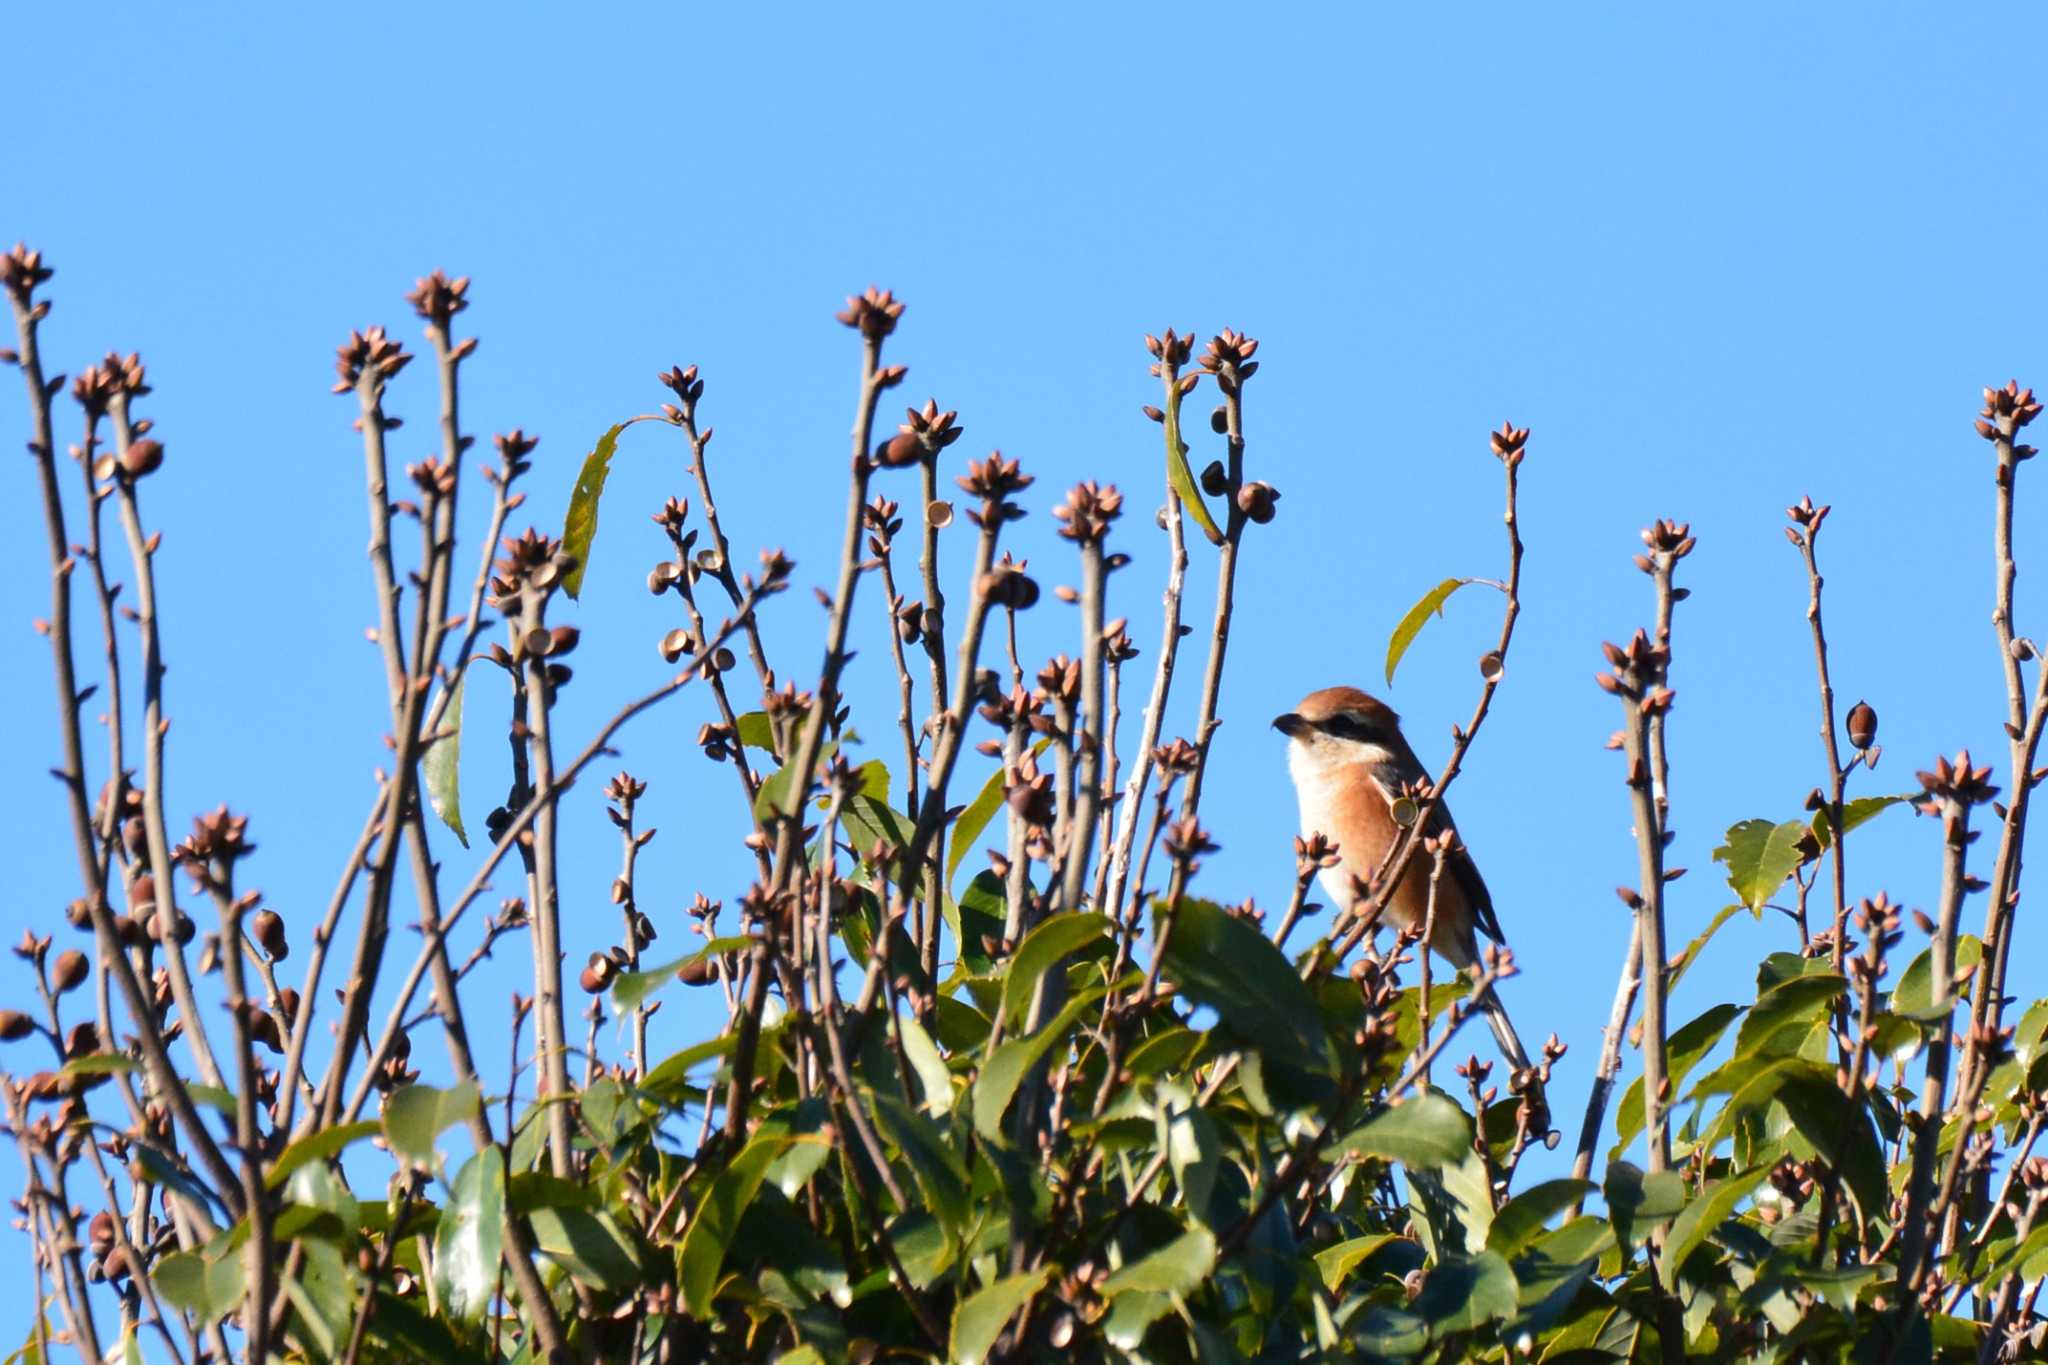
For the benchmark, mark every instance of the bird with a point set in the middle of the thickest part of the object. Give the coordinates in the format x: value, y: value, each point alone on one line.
x: 1350, y: 763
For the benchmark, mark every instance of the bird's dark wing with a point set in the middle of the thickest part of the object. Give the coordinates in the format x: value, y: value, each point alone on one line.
x: 1404, y: 769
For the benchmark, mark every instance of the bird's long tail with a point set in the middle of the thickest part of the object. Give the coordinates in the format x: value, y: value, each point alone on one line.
x: 1517, y: 1056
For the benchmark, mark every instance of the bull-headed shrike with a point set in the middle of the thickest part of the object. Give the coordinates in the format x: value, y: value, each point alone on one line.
x: 1350, y: 764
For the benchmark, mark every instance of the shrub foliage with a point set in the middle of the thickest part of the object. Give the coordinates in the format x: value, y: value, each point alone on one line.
x: 993, y: 1081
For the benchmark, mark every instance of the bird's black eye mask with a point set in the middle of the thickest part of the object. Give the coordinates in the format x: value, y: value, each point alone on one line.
x: 1346, y: 726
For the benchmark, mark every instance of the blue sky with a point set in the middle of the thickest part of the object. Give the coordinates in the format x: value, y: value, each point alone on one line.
x: 1714, y: 259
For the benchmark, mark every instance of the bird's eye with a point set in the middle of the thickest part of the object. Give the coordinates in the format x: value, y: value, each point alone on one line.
x: 1348, y: 727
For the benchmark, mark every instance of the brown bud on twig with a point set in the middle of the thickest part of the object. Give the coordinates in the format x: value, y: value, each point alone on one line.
x: 1862, y: 725
x: 69, y: 972
x: 267, y: 928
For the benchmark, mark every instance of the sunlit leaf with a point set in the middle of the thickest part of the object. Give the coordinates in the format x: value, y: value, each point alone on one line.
x: 1860, y: 811
x: 207, y: 1289
x: 1179, y: 1267
x: 1464, y: 1295
x: 1337, y: 1262
x: 979, y: 812
x: 588, y: 1244
x: 1682, y: 1052
x: 1520, y: 1220
x: 1759, y: 856
x: 631, y: 989
x: 1410, y: 626
x: 1181, y: 477
x: 928, y: 1063
x: 320, y: 1146
x: 1913, y: 997
x: 1422, y: 1133
x: 416, y: 1115
x: 1048, y: 943
x: 470, y: 1236
x: 579, y: 528
x: 710, y: 1232
x: 981, y: 1316
x: 441, y: 768
x: 1701, y: 1216
x: 1005, y: 1069
x: 1221, y: 961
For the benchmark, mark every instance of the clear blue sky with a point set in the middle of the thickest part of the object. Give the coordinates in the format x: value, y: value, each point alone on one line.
x: 1716, y: 260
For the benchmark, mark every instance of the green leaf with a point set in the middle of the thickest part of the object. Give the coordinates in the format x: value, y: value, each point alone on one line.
x: 1638, y: 1203
x: 471, y: 1235
x: 710, y: 1232
x: 441, y: 768
x: 632, y: 988
x: 1840, y: 1130
x: 1194, y: 1147
x: 756, y: 731
x: 1520, y: 1221
x: 929, y: 1063
x: 1787, y: 1011
x: 100, y: 1064
x: 1684, y: 961
x: 1223, y: 962
x: 1005, y: 1069
x: 981, y: 1316
x: 1418, y: 616
x: 1179, y: 1267
x: 207, y: 1289
x: 1423, y: 1133
x: 1338, y: 1261
x: 934, y: 1160
x: 587, y: 1244
x: 669, y: 1077
x: 1180, y: 476
x: 1854, y: 813
x: 579, y: 528
x: 320, y: 1146
x: 1053, y: 939
x: 1465, y: 1295
x: 418, y: 1114
x: 1682, y: 1052
x: 1914, y: 996
x: 979, y: 812
x: 1701, y: 1216
x: 1760, y: 856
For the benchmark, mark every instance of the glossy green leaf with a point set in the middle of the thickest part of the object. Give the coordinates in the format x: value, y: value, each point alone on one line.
x: 1410, y: 626
x: 979, y: 812
x: 1179, y: 1267
x: 1336, y: 1263
x: 632, y: 989
x: 1194, y: 1149
x: 100, y: 1064
x: 1858, y: 812
x: 207, y: 1289
x: 1181, y: 477
x: 416, y: 1115
x: 1520, y: 1220
x: 933, y: 1160
x: 1005, y: 1069
x: 1759, y: 856
x: 1422, y: 1133
x: 1637, y: 1203
x: 588, y: 1244
x: 710, y: 1232
x: 981, y: 1316
x: 1683, y: 963
x: 1221, y: 961
x: 441, y: 768
x: 1697, y: 1221
x: 1042, y: 950
x: 756, y: 731
x: 1786, y: 1012
x: 1464, y: 1295
x: 320, y: 1146
x: 470, y: 1236
x: 579, y: 528
x: 1913, y: 997
x: 1682, y: 1052
x: 929, y: 1064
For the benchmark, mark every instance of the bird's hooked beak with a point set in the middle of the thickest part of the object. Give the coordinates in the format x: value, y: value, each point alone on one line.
x: 1290, y: 724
